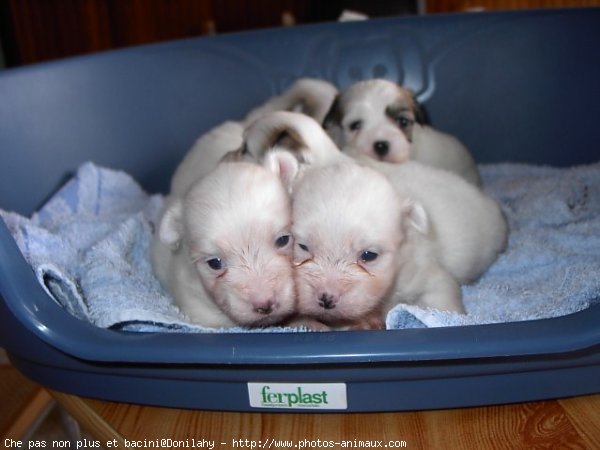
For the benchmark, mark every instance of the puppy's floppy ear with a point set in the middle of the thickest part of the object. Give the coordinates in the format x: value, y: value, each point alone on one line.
x: 333, y: 117
x: 416, y: 216
x: 241, y: 154
x: 286, y: 137
x: 417, y: 109
x: 284, y: 165
x: 170, y: 227
x: 332, y: 123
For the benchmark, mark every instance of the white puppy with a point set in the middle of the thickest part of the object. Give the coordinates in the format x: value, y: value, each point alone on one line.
x: 361, y: 248
x: 380, y: 119
x: 310, y: 96
x: 224, y: 249
x: 451, y: 231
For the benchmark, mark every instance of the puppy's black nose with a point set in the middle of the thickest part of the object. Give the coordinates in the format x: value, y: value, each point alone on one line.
x: 265, y: 310
x: 381, y: 148
x: 326, y: 301
x: 264, y: 307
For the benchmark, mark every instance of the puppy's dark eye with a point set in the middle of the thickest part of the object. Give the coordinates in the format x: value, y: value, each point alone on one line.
x: 403, y: 122
x: 215, y: 263
x: 282, y: 241
x: 368, y: 256
x: 356, y: 125
x: 303, y: 247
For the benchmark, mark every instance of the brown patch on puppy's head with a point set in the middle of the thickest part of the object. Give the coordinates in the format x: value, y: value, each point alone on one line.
x: 240, y: 155
x: 294, y: 132
x: 288, y: 139
x: 263, y: 136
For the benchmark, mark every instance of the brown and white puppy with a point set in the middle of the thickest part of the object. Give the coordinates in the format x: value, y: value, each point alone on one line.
x: 224, y: 249
x: 361, y: 248
x: 381, y: 120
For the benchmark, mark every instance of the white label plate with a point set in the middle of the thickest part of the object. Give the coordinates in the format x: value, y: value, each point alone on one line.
x: 316, y: 396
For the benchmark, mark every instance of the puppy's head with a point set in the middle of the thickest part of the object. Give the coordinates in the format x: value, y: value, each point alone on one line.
x: 295, y: 132
x: 374, y: 118
x: 348, y: 224
x: 233, y: 227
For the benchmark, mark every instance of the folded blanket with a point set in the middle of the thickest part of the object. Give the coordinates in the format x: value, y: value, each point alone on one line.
x: 89, y: 248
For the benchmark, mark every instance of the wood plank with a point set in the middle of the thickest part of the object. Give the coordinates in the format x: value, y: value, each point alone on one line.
x: 584, y: 414
x: 16, y: 391
x: 88, y: 418
x: 30, y: 415
x: 569, y: 423
x: 437, y: 6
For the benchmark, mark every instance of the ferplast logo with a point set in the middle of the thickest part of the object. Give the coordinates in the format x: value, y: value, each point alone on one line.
x: 291, y: 399
x: 298, y: 396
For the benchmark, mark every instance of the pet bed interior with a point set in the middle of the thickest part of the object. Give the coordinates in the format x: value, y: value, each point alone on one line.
x: 89, y: 145
x: 89, y: 247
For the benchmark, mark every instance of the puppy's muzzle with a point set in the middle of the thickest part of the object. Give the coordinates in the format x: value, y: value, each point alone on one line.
x: 381, y: 148
x: 327, y: 301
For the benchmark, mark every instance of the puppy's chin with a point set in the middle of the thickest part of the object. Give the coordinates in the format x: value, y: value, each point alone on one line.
x: 361, y: 295
x: 267, y: 301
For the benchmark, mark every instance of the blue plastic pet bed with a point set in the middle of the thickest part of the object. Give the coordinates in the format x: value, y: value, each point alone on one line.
x: 89, y: 145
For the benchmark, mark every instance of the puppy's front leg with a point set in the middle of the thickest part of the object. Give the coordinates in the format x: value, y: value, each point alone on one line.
x: 442, y: 292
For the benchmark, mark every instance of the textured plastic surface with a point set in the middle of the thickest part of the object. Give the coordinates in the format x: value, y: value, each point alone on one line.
x: 509, y: 85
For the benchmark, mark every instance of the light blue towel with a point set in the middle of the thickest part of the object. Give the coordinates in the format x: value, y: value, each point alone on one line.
x: 89, y: 249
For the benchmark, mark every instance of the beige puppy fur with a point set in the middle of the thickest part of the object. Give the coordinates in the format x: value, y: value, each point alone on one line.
x: 468, y: 227
x: 457, y: 230
x: 381, y: 120
x: 224, y: 249
x: 309, y: 96
x: 361, y: 248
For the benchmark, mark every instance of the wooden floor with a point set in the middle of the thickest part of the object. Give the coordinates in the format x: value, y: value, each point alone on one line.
x: 572, y: 423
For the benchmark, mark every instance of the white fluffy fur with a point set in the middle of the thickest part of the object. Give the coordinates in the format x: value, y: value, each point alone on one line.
x: 380, y: 113
x: 468, y: 227
x: 450, y: 233
x: 237, y: 213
